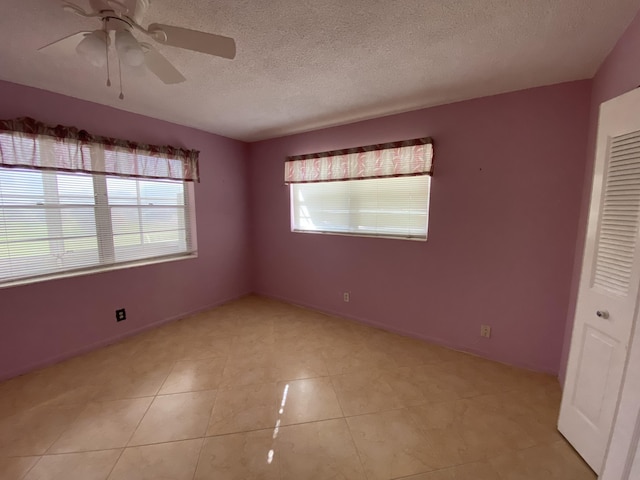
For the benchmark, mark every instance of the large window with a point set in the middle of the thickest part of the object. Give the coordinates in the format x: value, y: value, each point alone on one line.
x: 383, y: 207
x: 379, y: 190
x: 54, y: 222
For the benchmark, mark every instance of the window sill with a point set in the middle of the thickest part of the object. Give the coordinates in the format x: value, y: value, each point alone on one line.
x: 362, y: 235
x: 95, y: 270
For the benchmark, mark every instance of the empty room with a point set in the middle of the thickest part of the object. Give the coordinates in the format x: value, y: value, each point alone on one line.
x: 355, y: 240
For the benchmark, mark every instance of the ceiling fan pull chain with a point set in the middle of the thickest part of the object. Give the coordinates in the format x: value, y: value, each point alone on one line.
x: 107, y: 54
x: 121, y: 97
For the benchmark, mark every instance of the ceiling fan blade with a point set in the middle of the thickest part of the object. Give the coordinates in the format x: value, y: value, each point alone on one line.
x: 209, y: 43
x: 160, y: 66
x: 66, y: 44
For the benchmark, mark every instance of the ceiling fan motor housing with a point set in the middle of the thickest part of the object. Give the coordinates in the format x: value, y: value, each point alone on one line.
x: 134, y: 9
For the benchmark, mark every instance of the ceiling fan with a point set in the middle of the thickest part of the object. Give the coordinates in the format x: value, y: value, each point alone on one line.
x: 120, y: 18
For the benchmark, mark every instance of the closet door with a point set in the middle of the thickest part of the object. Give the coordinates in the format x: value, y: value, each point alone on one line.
x: 609, y: 283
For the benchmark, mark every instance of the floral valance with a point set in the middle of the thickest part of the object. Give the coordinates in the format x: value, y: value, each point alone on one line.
x: 27, y: 143
x: 397, y: 159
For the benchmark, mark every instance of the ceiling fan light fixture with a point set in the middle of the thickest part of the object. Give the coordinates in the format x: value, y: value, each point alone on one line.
x: 129, y: 50
x: 93, y: 48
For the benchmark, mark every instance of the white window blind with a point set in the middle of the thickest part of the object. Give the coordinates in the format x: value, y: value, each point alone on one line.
x: 383, y: 207
x: 54, y: 222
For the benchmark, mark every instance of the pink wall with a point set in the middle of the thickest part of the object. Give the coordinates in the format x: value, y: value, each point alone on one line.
x: 504, y: 216
x: 619, y: 74
x: 47, y: 321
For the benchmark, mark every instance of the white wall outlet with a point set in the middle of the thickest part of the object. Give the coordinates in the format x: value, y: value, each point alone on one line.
x: 485, y: 331
x: 346, y: 296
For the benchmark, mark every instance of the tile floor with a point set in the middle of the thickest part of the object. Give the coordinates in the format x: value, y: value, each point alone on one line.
x: 261, y: 389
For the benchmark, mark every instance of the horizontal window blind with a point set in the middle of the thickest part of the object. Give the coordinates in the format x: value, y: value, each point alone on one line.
x: 53, y: 222
x: 383, y: 207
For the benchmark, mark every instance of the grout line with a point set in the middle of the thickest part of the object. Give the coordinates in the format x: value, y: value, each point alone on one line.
x: 333, y: 387
x: 32, y: 467
x: 195, y: 469
x: 130, y: 437
x: 271, y: 428
x: 215, y: 401
x: 355, y: 446
x: 64, y: 430
x: 57, y: 454
x: 173, y: 365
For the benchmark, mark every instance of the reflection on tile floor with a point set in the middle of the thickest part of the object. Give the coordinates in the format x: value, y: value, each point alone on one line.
x: 261, y: 389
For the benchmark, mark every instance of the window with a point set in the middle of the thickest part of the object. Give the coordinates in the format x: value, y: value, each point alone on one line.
x: 380, y: 191
x: 54, y: 222
x: 382, y: 207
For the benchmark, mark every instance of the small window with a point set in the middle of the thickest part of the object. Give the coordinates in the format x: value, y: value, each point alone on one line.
x: 381, y: 207
x: 378, y: 190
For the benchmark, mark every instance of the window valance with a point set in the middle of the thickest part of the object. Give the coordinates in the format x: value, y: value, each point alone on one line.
x: 397, y: 159
x: 27, y: 143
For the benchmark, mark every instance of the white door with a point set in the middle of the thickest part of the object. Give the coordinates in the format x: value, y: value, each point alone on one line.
x: 623, y: 455
x: 608, y: 292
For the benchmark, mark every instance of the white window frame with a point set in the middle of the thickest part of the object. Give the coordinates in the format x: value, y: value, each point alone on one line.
x: 104, y: 232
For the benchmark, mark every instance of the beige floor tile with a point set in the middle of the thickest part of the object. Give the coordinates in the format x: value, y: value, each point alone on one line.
x: 348, y: 357
x: 391, y: 446
x: 469, y: 471
x: 294, y: 335
x: 76, y: 396
x: 406, y: 386
x: 307, y: 400
x: 206, y: 345
x: 102, y: 425
x: 365, y: 392
x: 254, y: 343
x: 75, y: 466
x: 405, y: 351
x: 240, y: 456
x: 557, y: 461
x: 194, y: 375
x: 33, y: 431
x: 488, y: 376
x: 249, y: 369
x: 318, y: 451
x: 158, y: 347
x: 535, y: 410
x: 444, y: 382
x: 217, y: 325
x: 244, y: 408
x: 175, y: 417
x: 298, y: 364
x: 166, y: 461
x: 139, y: 379
x: 15, y: 468
x: 482, y: 433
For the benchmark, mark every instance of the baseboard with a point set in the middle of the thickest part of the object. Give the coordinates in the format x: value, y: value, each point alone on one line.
x: 111, y: 340
x: 419, y: 336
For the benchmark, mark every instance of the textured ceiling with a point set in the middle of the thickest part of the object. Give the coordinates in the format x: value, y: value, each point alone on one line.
x: 302, y: 65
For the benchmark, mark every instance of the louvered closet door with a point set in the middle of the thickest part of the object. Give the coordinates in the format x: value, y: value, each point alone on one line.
x: 608, y: 292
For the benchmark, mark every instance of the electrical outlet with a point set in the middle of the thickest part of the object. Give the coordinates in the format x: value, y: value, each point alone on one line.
x: 485, y: 331
x: 346, y: 296
x: 121, y: 315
